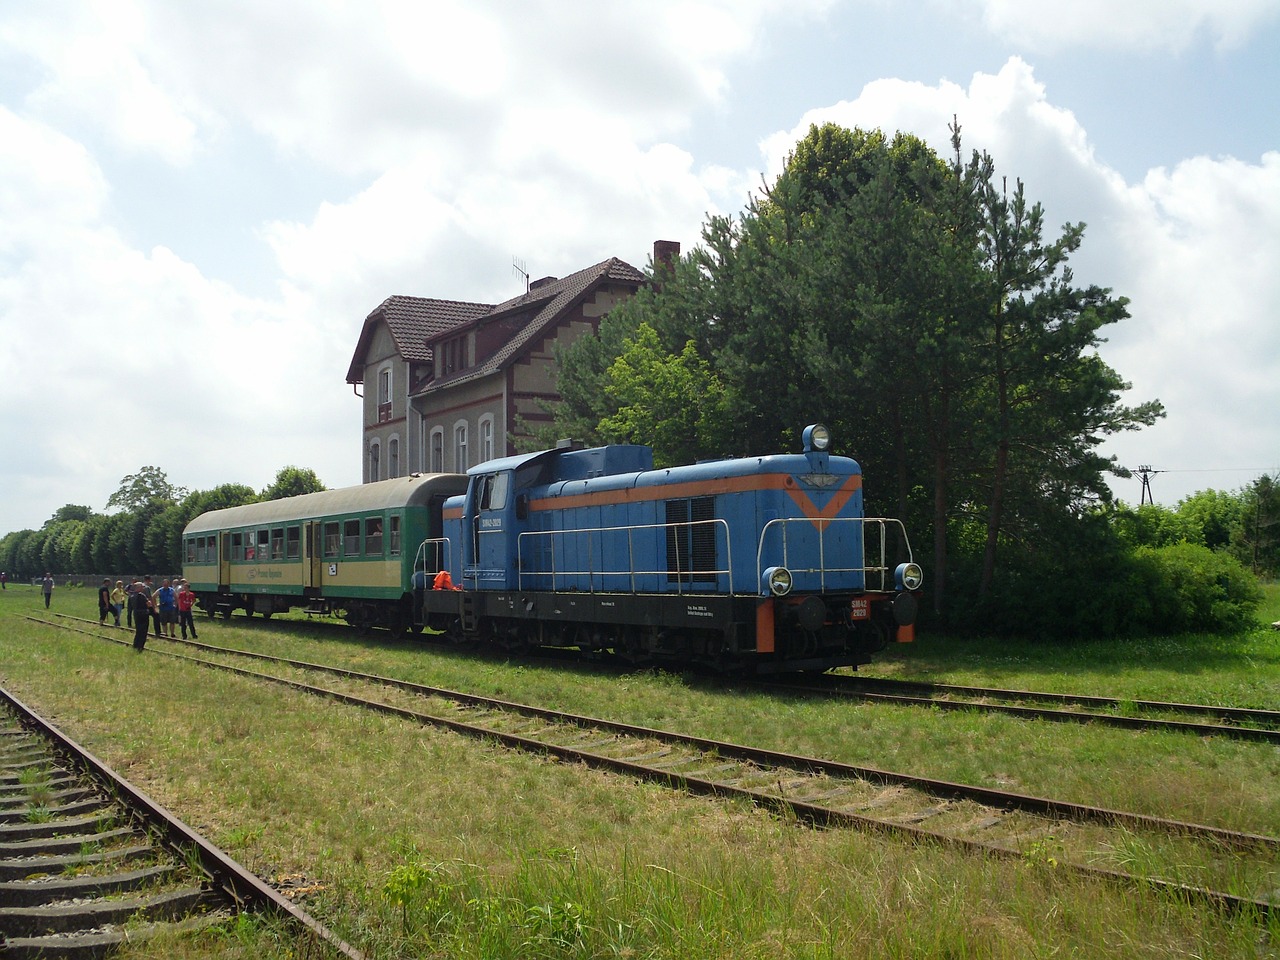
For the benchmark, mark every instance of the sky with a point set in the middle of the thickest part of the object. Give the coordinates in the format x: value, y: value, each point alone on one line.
x: 200, y: 203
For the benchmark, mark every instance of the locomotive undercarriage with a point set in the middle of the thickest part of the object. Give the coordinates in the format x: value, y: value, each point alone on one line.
x: 715, y: 631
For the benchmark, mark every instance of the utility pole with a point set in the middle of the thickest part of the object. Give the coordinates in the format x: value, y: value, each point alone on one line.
x: 1146, y: 473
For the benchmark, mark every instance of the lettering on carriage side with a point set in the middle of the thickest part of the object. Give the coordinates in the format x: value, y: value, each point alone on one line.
x: 698, y: 610
x: 491, y: 523
x: 262, y: 573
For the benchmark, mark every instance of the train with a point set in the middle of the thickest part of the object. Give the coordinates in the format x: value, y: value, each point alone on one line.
x: 761, y: 564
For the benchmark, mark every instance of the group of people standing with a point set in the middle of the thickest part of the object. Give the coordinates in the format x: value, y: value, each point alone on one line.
x: 169, y: 606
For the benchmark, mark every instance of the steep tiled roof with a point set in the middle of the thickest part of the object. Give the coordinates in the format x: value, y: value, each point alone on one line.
x: 413, y: 322
x: 543, y: 304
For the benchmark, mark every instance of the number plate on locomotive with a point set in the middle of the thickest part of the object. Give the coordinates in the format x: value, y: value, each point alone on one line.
x: 860, y: 608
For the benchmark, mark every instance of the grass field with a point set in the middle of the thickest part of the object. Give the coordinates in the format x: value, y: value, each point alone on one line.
x: 424, y: 844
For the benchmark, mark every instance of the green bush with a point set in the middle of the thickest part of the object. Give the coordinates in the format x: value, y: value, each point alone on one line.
x: 1190, y: 587
x: 1093, y: 583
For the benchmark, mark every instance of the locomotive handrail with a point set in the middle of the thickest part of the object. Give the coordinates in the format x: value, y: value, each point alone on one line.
x: 680, y: 573
x: 806, y: 524
x: 421, y: 555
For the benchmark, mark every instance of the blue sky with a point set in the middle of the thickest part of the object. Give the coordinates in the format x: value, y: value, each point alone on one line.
x: 199, y: 203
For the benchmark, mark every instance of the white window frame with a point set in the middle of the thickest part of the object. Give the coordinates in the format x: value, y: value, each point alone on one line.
x: 435, y: 456
x: 486, y: 438
x: 460, y: 453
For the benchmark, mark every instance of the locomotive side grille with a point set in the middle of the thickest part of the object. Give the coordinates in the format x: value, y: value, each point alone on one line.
x: 691, y: 540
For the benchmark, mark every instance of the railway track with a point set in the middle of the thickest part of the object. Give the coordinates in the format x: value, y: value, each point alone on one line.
x: 88, y: 862
x: 1072, y: 837
x: 1239, y: 723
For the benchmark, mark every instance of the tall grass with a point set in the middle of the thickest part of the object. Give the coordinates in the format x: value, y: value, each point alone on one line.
x: 424, y: 844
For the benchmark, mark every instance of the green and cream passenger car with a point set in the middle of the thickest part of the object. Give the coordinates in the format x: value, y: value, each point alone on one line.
x: 350, y: 551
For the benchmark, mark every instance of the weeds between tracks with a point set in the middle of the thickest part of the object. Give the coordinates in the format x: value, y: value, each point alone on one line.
x: 428, y: 845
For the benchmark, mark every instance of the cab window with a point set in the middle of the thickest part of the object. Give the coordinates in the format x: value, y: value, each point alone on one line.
x: 493, y: 491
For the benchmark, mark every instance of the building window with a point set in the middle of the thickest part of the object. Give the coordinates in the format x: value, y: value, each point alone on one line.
x: 393, y: 457
x: 375, y: 453
x: 453, y: 356
x: 437, y: 451
x: 384, y: 394
x: 460, y: 462
x: 486, y: 439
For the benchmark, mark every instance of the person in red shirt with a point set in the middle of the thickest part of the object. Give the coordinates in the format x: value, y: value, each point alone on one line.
x: 186, y: 601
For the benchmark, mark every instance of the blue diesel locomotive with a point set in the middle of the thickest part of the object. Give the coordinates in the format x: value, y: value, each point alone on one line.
x: 764, y: 564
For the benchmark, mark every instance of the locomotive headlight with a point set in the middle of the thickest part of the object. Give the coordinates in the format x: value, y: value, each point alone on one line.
x: 816, y: 437
x: 909, y: 576
x: 777, y: 581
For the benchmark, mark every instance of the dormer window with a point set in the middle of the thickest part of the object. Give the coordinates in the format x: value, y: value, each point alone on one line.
x: 453, y: 356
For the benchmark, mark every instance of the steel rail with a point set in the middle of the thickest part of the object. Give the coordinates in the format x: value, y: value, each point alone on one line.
x: 804, y: 811
x: 242, y: 886
x: 1233, y: 714
x: 860, y: 687
x: 851, y: 691
x: 1027, y: 803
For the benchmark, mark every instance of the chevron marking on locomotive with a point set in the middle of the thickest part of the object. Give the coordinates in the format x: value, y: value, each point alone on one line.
x: 819, y: 517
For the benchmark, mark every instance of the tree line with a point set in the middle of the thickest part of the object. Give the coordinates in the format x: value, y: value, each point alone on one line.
x: 917, y: 306
x: 141, y: 533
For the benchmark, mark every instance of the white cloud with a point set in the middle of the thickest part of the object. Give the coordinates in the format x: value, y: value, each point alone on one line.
x: 122, y: 358
x: 364, y: 87
x: 1141, y: 25
x: 94, y: 77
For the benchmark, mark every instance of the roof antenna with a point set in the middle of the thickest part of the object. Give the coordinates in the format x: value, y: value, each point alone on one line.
x: 522, y: 268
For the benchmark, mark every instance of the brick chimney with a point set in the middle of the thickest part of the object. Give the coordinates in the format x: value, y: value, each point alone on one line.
x: 665, y: 254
